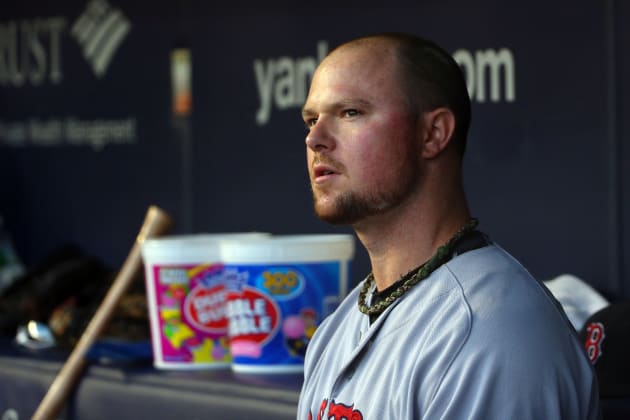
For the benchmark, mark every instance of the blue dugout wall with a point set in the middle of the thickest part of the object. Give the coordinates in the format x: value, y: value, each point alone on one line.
x: 88, y: 139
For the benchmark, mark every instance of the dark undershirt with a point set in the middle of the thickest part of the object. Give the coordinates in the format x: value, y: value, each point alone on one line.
x: 468, y: 242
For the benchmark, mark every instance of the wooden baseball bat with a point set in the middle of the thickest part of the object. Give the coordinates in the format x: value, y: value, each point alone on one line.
x: 156, y: 223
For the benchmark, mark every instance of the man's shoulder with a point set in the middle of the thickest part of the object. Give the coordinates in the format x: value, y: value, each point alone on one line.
x: 509, y: 308
x: 490, y: 279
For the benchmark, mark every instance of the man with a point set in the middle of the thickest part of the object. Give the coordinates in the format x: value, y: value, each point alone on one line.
x: 447, y: 325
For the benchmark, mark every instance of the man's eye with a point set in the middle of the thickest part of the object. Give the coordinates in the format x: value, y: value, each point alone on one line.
x: 350, y: 113
x: 310, y: 122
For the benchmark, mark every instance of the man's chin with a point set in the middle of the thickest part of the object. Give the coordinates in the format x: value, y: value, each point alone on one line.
x: 339, y: 215
x: 334, y: 219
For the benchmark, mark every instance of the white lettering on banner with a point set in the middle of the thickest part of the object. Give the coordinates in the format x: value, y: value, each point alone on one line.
x: 285, y: 81
x: 30, y: 51
x: 485, y: 66
x: 45, y: 133
x: 98, y: 133
x: 54, y: 132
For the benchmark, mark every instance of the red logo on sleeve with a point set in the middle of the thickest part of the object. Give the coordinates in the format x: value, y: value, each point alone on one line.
x: 337, y: 411
x: 594, y: 339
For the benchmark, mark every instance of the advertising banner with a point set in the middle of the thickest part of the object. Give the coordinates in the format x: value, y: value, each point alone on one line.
x: 90, y: 134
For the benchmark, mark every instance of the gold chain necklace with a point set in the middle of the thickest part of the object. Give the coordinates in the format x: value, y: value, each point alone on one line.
x: 421, y: 273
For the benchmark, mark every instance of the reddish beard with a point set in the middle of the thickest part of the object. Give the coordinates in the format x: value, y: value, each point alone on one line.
x: 350, y: 207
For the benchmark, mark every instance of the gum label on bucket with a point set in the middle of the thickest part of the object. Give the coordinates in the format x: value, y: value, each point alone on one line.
x: 273, y: 311
x: 254, y: 320
x: 191, y: 313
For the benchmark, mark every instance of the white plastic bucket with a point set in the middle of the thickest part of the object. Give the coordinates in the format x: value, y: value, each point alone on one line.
x: 278, y: 291
x: 186, y: 300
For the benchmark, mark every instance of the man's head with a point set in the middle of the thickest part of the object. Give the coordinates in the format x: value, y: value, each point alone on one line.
x: 378, y: 107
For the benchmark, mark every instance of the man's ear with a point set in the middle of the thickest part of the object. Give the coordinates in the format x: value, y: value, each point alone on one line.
x: 437, y: 128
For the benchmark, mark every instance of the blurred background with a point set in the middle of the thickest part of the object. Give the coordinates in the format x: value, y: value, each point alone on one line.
x: 107, y: 107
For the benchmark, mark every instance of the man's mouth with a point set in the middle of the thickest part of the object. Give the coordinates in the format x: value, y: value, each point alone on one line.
x: 323, y: 172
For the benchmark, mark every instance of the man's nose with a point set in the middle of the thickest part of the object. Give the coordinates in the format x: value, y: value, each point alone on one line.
x: 319, y: 137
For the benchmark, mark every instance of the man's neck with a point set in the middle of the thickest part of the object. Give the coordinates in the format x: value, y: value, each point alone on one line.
x: 407, y: 237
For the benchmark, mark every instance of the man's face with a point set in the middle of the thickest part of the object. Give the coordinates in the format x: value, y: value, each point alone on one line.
x: 362, y: 146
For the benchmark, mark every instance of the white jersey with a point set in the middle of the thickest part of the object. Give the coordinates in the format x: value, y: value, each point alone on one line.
x: 479, y: 338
